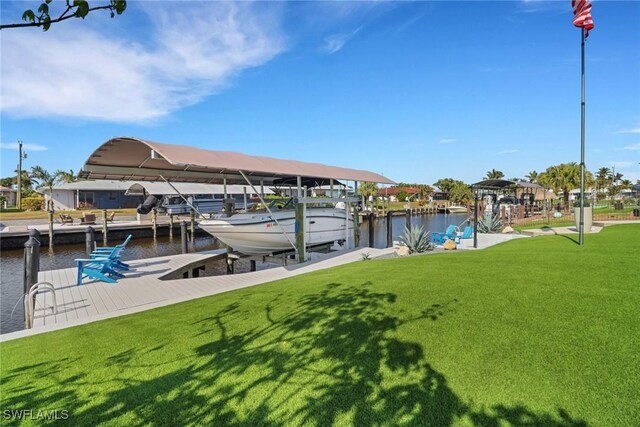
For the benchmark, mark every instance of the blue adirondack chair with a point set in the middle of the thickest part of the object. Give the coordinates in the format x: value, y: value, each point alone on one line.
x: 449, y: 234
x: 103, y: 264
x: 466, y: 234
x: 97, y: 268
x: 113, y: 253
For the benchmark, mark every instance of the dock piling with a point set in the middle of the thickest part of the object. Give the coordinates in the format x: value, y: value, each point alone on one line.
x: 183, y: 236
x: 370, y: 220
x: 50, y: 215
x: 104, y: 227
x: 389, y: 229
x: 89, y: 240
x: 252, y: 264
x: 170, y: 227
x: 193, y: 227
x: 408, y: 218
x: 31, y: 263
x: 230, y: 265
x: 154, y: 223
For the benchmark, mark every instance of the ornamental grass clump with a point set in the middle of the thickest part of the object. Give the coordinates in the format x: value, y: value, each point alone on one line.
x: 416, y: 239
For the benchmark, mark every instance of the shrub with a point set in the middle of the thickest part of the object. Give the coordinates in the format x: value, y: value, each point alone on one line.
x: 34, y: 203
x: 416, y: 239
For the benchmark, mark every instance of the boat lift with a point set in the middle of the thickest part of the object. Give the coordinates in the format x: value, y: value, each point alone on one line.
x: 136, y: 159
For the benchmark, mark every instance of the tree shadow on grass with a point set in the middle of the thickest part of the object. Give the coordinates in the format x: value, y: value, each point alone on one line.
x: 330, y: 358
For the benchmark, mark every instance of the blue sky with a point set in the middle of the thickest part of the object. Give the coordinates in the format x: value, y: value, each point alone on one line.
x: 415, y: 90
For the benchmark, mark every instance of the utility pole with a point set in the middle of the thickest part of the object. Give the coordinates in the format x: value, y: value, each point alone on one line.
x: 21, y: 156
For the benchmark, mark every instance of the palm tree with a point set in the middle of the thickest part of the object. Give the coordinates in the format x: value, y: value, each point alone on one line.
x: 562, y: 178
x: 425, y: 191
x: 47, y: 179
x: 602, y: 178
x: 368, y: 189
x: 494, y: 174
x: 67, y: 176
x: 532, y: 177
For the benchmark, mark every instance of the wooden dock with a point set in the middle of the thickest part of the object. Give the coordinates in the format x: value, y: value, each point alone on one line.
x: 156, y: 282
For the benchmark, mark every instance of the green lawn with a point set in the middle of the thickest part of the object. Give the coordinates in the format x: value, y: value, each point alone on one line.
x: 534, y: 332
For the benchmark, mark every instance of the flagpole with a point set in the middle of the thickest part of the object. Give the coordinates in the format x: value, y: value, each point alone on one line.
x: 582, y: 145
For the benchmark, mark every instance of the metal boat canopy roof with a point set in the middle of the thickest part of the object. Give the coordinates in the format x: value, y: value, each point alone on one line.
x: 189, y: 188
x: 136, y: 159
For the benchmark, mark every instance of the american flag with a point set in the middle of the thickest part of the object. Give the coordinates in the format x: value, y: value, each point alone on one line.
x: 582, y: 15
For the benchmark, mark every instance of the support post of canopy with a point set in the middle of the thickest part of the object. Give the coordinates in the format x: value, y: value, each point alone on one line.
x: 346, y: 217
x: 244, y: 189
x: 301, y: 219
x: 475, y: 219
x: 356, y: 218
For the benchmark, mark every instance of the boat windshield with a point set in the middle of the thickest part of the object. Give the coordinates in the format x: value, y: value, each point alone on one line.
x: 278, y: 204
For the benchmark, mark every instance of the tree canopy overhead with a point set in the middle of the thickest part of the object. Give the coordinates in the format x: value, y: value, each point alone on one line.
x: 42, y: 17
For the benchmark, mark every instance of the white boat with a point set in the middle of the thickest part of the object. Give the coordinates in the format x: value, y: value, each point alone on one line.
x: 457, y: 209
x: 257, y: 233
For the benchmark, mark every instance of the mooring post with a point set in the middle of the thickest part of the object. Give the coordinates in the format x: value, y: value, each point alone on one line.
x: 154, y: 223
x: 389, y: 229
x: 170, y: 227
x: 89, y: 240
x: 183, y: 236
x: 193, y: 227
x: 408, y: 219
x: 50, y: 229
x: 252, y: 264
x: 371, y: 242
x: 104, y: 226
x: 31, y: 263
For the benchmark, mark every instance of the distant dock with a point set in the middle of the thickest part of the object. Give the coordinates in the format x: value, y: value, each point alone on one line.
x: 14, y: 236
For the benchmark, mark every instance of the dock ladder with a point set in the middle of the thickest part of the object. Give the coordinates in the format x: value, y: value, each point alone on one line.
x: 29, y: 302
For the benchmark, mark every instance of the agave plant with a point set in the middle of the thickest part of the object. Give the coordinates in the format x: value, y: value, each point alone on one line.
x: 416, y: 239
x: 489, y: 223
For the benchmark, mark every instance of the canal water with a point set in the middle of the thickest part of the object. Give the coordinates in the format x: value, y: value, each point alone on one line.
x: 11, y: 261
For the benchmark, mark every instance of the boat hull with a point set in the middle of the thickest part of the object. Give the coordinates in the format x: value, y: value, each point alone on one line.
x: 457, y: 209
x: 258, y: 233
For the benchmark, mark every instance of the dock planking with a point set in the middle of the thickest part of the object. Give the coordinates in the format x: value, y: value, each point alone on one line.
x: 143, y: 287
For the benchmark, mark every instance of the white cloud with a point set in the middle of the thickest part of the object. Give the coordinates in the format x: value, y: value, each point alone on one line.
x: 632, y: 130
x: 336, y: 42
x: 507, y: 151
x: 189, y: 51
x: 622, y: 164
x: 447, y: 141
x: 635, y: 147
x: 25, y: 147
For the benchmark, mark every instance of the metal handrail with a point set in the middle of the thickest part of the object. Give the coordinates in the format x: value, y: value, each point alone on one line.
x: 29, y: 308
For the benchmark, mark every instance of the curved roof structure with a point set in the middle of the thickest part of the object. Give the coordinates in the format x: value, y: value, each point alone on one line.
x: 502, y: 184
x: 139, y: 160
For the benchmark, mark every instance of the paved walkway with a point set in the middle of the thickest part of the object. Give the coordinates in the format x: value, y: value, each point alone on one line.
x: 143, y: 288
x: 596, y: 228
